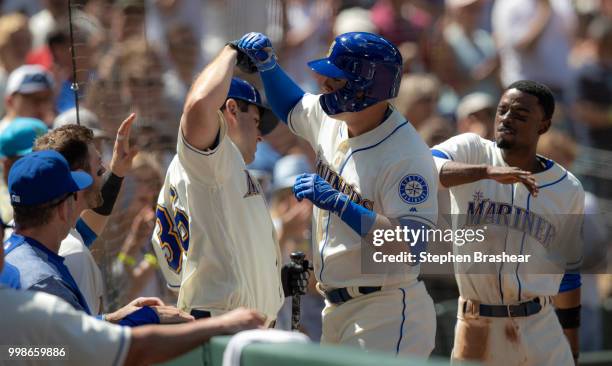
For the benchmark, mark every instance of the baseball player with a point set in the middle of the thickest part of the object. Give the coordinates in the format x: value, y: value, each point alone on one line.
x: 42, y: 322
x: 214, y: 237
x: 529, y: 204
x: 372, y: 169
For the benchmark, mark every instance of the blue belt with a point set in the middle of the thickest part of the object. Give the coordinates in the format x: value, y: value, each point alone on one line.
x: 340, y: 295
x: 509, y: 311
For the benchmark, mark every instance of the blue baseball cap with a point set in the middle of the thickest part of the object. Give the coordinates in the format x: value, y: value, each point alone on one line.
x: 43, y: 176
x: 243, y: 90
x: 17, y: 139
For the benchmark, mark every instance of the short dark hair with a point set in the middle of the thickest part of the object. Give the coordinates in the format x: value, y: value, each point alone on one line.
x: 538, y: 90
x: 27, y: 217
x: 71, y: 141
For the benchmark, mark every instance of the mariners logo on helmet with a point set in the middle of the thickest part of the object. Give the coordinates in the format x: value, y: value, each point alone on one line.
x: 413, y: 189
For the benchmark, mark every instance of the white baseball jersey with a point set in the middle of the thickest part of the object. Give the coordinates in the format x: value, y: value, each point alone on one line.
x: 388, y: 170
x: 214, y: 237
x: 84, y: 270
x: 37, y: 319
x: 547, y: 226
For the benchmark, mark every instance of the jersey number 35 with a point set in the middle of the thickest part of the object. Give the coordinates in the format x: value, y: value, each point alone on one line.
x: 172, y: 233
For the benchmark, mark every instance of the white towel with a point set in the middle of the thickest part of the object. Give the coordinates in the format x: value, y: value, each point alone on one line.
x: 233, y: 351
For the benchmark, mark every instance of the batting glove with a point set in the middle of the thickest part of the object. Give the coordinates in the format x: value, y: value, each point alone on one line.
x: 324, y: 196
x: 315, y: 189
x: 259, y: 49
x: 294, y: 278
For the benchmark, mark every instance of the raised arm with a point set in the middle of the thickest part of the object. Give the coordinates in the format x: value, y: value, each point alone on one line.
x: 95, y: 219
x: 200, y: 124
x: 282, y: 92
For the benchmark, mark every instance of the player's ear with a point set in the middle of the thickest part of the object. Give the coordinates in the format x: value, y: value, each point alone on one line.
x: 544, y: 126
x: 62, y: 211
x: 8, y: 100
x: 231, y: 106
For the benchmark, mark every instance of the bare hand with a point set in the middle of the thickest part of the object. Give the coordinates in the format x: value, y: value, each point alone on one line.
x: 511, y: 175
x: 123, y: 154
x: 172, y: 315
x: 240, y: 319
x: 136, y: 304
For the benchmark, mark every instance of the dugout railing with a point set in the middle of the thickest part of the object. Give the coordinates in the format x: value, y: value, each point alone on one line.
x: 294, y: 354
x: 298, y: 354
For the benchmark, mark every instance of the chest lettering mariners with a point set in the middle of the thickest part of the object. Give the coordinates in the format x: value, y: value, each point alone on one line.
x: 339, y: 184
x: 482, y: 211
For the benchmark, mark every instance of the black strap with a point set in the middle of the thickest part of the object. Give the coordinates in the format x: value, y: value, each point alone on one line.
x: 340, y: 295
x: 199, y: 314
x: 510, y: 311
x: 110, y: 191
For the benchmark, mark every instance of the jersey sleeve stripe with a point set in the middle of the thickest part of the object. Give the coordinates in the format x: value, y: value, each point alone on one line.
x: 290, y: 122
x: 121, y: 346
x: 202, y: 152
x: 440, y: 154
x: 555, y: 182
x: 88, y: 235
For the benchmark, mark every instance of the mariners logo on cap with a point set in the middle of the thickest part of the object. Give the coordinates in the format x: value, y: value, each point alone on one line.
x: 413, y: 189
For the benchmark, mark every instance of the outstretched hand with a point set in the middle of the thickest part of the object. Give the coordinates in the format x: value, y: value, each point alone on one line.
x: 511, y: 175
x: 240, y: 319
x: 123, y: 153
x: 134, y: 305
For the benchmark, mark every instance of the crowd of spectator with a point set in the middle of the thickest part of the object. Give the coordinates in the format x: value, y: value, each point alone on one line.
x: 141, y: 56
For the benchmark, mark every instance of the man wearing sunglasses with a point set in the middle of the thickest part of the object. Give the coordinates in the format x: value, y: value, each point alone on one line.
x: 43, y: 218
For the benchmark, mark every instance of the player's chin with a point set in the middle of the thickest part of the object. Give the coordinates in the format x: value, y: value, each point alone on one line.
x: 504, y: 142
x: 249, y: 158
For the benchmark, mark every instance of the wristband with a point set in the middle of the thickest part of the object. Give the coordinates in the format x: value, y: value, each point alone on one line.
x: 110, y: 191
x: 569, y: 318
x: 126, y: 259
x: 144, y: 315
x: 359, y: 218
x: 151, y: 259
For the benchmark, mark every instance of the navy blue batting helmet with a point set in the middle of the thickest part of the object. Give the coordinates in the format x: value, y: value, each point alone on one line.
x: 243, y: 90
x: 371, y: 66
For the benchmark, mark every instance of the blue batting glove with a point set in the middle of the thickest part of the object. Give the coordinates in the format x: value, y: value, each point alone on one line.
x: 315, y: 189
x: 259, y: 49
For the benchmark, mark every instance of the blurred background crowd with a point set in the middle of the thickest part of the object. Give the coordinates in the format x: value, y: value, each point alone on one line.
x: 142, y: 55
